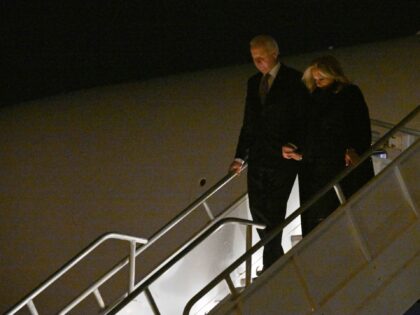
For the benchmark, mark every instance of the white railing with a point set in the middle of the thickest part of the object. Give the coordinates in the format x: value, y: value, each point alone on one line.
x: 333, y: 184
x: 144, y: 285
x: 134, y: 251
x: 29, y: 300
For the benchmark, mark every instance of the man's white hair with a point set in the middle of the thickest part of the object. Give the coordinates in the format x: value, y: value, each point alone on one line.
x: 265, y: 41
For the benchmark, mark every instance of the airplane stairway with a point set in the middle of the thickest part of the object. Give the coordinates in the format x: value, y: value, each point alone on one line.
x: 364, y: 259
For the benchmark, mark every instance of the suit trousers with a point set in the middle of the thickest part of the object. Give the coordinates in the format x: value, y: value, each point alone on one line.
x: 268, y: 192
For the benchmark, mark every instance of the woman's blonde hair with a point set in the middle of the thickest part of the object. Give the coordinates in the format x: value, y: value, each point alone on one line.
x: 330, y: 68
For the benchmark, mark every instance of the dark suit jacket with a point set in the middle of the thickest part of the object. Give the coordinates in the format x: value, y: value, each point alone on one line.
x: 266, y: 127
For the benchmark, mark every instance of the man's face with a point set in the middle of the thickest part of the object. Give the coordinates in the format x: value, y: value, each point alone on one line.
x: 264, y: 59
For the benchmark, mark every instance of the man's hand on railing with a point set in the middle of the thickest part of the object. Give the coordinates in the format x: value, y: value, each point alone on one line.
x: 236, y: 167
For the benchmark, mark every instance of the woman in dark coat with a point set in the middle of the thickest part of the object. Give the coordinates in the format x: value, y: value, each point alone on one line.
x: 338, y: 132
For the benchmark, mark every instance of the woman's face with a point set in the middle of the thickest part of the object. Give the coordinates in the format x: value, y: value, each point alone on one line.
x: 320, y: 80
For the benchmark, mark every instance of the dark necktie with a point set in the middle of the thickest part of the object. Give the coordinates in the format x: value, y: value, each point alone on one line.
x: 264, y: 87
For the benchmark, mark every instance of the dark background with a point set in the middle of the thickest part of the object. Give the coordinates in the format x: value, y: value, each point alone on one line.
x: 52, y: 47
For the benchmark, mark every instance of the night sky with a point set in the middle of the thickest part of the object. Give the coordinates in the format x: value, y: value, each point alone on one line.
x: 51, y: 47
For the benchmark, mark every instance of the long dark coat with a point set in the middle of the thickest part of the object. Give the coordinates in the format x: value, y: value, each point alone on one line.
x: 266, y: 128
x: 336, y: 122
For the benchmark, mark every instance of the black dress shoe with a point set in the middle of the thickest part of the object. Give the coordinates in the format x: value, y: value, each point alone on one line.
x: 259, y: 272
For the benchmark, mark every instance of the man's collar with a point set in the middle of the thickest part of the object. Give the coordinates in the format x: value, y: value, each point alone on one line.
x: 273, y: 72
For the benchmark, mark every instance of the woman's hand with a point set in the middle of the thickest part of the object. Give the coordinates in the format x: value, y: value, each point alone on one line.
x: 351, y: 157
x: 289, y: 153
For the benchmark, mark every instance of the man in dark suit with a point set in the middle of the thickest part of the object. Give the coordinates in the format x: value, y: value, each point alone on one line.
x: 273, y: 116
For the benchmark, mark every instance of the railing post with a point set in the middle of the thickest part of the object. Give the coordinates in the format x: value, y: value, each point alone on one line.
x: 248, y: 262
x: 208, y: 210
x: 151, y: 301
x: 231, y: 285
x: 132, y: 272
x: 340, y: 193
x: 359, y: 236
x: 234, y: 293
x: 405, y: 190
x: 99, y: 298
x: 32, y: 308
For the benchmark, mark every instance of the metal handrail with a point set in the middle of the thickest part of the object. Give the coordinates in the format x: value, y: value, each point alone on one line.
x: 178, y: 218
x: 145, y: 284
x: 94, y: 287
x: 124, y: 262
x: 384, y: 124
x: 239, y: 261
x: 332, y: 184
x: 28, y: 300
x: 200, y: 201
